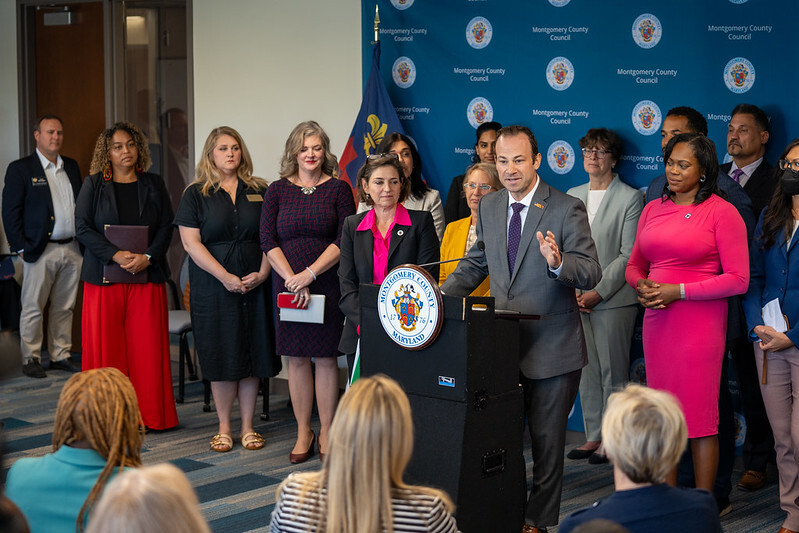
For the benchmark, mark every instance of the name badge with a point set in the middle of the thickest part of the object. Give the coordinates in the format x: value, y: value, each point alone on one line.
x: 255, y: 198
x: 39, y: 181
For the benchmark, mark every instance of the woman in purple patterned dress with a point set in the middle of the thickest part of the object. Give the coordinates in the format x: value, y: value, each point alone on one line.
x: 301, y: 223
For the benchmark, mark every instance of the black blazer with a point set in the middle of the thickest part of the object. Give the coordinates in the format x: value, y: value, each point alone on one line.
x: 760, y: 185
x: 97, y: 206
x: 414, y: 244
x: 28, y: 215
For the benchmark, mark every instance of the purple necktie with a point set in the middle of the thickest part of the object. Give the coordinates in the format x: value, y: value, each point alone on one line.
x: 514, y: 234
x: 736, y: 175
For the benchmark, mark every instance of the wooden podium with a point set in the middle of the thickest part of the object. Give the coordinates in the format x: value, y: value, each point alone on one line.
x: 467, y: 407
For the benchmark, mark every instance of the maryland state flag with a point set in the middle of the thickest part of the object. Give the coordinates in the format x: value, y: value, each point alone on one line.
x: 376, y: 119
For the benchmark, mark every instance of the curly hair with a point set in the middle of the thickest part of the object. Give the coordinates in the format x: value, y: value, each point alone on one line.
x: 100, y: 156
x: 303, y: 130
x: 100, y: 407
x: 208, y: 176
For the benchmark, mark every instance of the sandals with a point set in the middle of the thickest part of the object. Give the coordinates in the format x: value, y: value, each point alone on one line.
x: 252, y: 441
x: 222, y: 442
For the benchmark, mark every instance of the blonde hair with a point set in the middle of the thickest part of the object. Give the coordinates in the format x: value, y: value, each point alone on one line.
x: 150, y: 499
x: 100, y: 407
x: 100, y: 158
x: 644, y: 433
x: 371, y: 440
x: 209, y: 178
x: 303, y: 130
x: 491, y: 171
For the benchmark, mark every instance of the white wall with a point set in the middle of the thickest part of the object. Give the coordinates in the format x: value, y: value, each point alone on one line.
x: 9, y: 107
x: 262, y: 66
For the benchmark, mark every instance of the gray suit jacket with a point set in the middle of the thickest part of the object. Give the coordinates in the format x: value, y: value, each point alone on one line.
x: 553, y: 345
x: 613, y: 231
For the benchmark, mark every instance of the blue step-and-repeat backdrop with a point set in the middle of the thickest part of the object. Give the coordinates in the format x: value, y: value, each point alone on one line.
x: 564, y: 66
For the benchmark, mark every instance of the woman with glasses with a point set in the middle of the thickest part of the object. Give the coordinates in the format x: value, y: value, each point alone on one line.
x: 377, y: 240
x: 456, y: 206
x: 608, y: 311
x: 772, y: 314
x: 480, y: 179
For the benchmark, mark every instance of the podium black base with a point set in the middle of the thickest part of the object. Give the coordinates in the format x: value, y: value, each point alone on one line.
x: 473, y: 451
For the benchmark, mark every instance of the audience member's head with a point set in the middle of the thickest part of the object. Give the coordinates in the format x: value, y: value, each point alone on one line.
x: 98, y: 409
x: 682, y: 119
x: 747, y: 134
x: 371, y: 440
x: 11, y: 518
x: 151, y: 499
x: 644, y: 433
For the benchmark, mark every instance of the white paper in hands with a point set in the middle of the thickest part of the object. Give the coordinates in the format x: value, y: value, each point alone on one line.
x: 772, y: 316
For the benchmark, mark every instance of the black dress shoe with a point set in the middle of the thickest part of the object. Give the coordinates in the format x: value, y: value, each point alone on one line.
x: 65, y: 365
x: 577, y: 453
x: 597, y: 459
x: 33, y: 369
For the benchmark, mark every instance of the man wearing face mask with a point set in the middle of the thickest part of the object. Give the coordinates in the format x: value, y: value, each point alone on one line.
x: 774, y: 260
x: 747, y: 136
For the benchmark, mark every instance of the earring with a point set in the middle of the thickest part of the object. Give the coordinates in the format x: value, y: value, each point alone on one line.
x: 138, y: 169
x: 107, y: 172
x: 702, y: 179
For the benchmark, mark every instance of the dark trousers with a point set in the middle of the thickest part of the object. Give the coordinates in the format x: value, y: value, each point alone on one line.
x: 759, y: 443
x: 547, y: 404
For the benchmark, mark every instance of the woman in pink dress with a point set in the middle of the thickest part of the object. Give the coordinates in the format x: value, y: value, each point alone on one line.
x: 689, y: 255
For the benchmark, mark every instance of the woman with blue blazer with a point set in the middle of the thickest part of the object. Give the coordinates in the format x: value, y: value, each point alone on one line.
x: 774, y: 281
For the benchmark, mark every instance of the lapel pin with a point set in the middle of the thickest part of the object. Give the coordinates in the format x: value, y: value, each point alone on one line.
x: 400, y: 232
x: 539, y: 206
x: 688, y: 215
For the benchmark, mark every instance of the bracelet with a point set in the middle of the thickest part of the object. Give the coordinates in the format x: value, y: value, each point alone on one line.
x: 311, y: 271
x: 682, y: 291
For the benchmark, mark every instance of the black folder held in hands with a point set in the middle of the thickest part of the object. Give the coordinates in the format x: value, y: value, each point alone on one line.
x: 131, y: 238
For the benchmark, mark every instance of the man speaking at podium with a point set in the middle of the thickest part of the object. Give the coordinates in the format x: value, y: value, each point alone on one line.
x: 538, y: 249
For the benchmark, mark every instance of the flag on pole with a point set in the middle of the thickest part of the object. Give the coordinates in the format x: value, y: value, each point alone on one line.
x: 376, y: 119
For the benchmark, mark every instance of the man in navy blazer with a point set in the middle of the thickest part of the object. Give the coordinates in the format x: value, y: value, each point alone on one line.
x: 538, y: 249
x: 38, y: 209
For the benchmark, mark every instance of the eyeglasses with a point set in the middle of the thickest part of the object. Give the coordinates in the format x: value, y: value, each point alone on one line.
x: 599, y: 154
x: 785, y: 164
x: 473, y: 186
x: 387, y: 155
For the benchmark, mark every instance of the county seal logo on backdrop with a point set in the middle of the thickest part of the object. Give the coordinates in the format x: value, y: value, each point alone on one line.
x: 559, y: 3
x: 739, y: 75
x: 560, y: 157
x: 479, y: 111
x: 560, y: 73
x: 403, y: 72
x: 479, y: 32
x: 647, y: 31
x: 402, y: 4
x: 646, y: 117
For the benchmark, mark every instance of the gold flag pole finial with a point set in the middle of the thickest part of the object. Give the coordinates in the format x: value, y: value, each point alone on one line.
x: 377, y: 23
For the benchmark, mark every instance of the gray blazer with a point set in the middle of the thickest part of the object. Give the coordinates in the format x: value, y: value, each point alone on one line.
x: 553, y: 345
x: 613, y: 231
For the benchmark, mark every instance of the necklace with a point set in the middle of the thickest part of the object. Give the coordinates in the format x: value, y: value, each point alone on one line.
x: 308, y: 190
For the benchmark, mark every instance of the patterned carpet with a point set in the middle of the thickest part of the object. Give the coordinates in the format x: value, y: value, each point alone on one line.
x: 237, y: 489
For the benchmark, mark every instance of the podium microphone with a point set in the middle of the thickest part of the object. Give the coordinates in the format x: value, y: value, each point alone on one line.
x: 480, y: 246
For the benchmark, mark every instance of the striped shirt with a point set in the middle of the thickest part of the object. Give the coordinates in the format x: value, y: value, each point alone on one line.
x: 413, y: 512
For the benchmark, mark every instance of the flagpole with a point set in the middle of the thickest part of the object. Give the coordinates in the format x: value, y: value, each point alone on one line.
x: 377, y: 25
